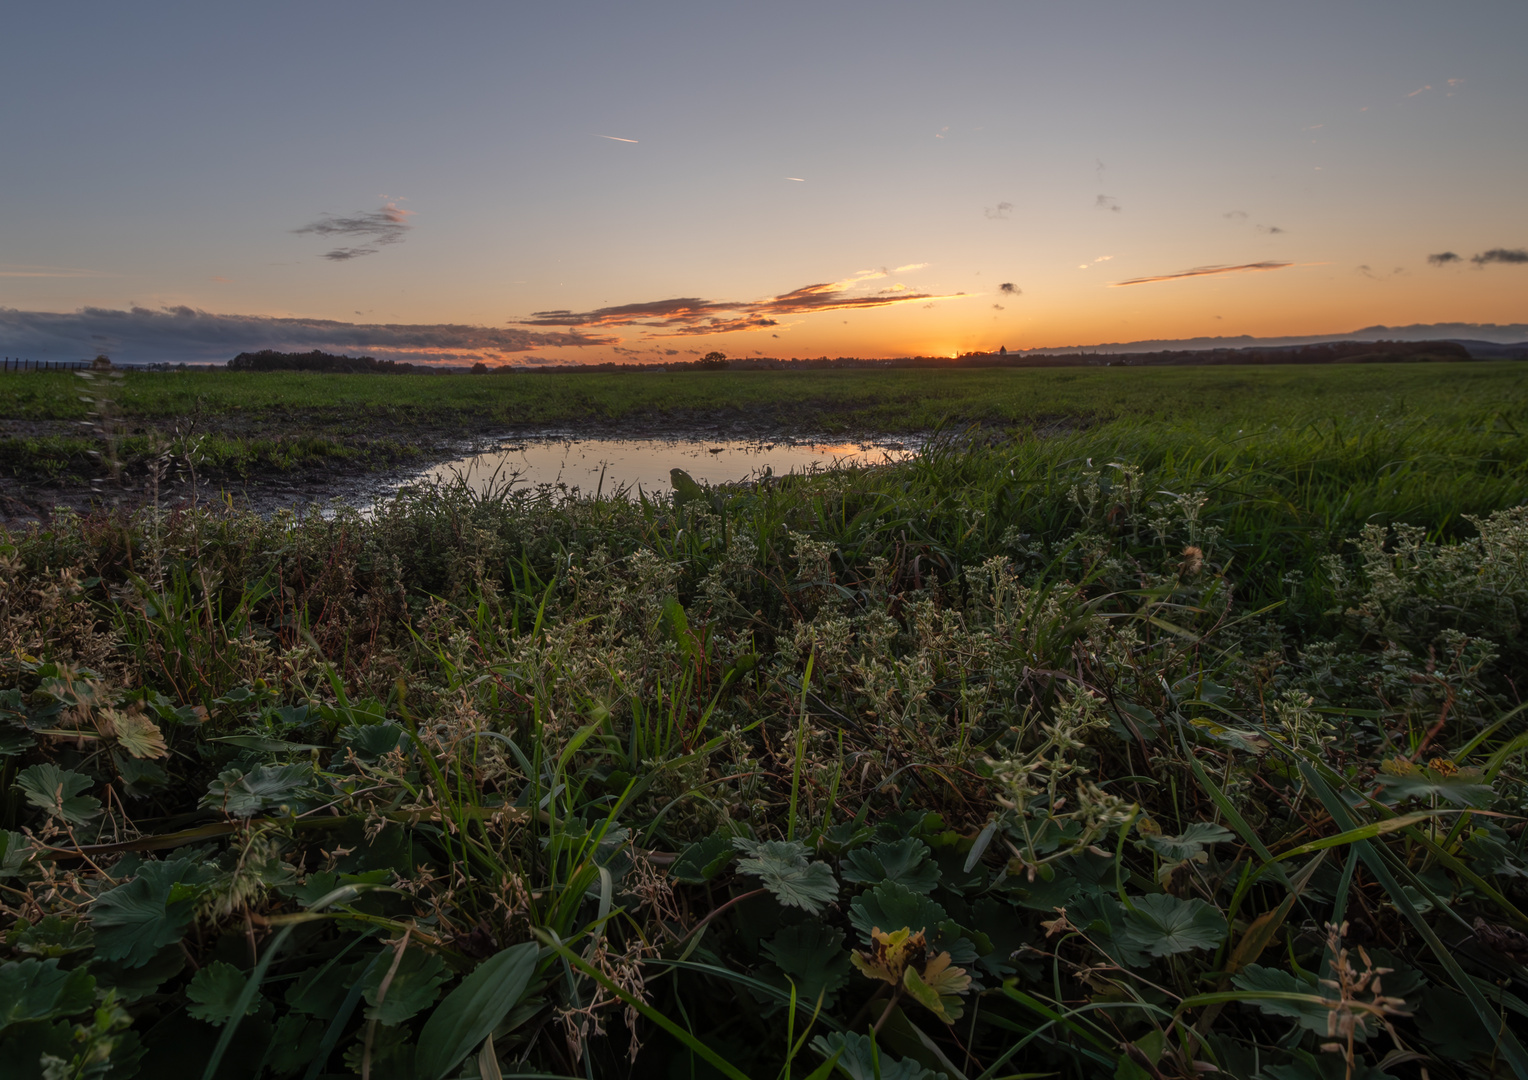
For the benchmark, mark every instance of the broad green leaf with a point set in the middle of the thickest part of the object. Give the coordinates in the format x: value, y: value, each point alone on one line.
x: 1462, y: 787
x: 57, y: 792
x: 1164, y: 925
x: 136, y: 919
x: 370, y: 741
x: 893, y: 905
x: 1191, y: 843
x: 860, y: 1059
x: 1102, y: 917
x: 844, y: 836
x: 1310, y: 1010
x: 415, y: 986
x: 16, y: 854
x: 33, y: 989
x: 1450, y: 1027
x: 460, y: 1023
x: 244, y: 794
x: 15, y: 741
x: 132, y: 984
x: 782, y: 867
x: 321, y: 883
x: 214, y: 993
x: 52, y: 936
x: 962, y: 944
x: 812, y: 956
x: 703, y: 860
x: 1043, y: 894
x: 30, y: 1043
x: 139, y: 774
x: 904, y: 861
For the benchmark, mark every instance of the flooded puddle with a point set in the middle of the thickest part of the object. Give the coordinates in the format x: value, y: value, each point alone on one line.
x: 589, y: 466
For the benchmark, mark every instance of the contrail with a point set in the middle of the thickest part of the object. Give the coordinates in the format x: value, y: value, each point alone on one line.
x: 615, y: 138
x: 798, y: 179
x: 1200, y: 271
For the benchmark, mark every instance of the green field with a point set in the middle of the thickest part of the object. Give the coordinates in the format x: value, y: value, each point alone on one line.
x: 1134, y: 750
x: 255, y: 425
x: 890, y: 401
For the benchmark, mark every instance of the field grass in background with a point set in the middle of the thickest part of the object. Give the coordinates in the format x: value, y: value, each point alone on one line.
x: 1131, y: 751
x: 890, y: 401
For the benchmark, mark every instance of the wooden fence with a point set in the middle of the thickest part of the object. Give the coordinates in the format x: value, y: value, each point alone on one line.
x: 15, y: 363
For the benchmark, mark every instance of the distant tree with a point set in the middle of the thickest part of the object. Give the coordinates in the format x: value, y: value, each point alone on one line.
x: 480, y: 368
x: 712, y: 361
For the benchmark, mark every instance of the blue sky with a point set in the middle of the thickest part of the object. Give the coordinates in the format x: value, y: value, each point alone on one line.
x: 840, y: 178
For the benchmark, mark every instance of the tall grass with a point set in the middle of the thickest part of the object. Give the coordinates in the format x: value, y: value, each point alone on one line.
x: 1135, y: 751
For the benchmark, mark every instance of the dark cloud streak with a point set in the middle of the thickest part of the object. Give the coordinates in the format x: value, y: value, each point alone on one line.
x: 691, y: 316
x: 1443, y: 258
x: 186, y: 335
x: 1506, y: 256
x: 375, y: 228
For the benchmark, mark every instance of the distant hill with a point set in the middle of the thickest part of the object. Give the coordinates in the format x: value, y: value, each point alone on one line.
x: 1485, y: 335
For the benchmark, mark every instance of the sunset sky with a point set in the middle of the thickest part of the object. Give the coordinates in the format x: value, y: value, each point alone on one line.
x: 548, y: 183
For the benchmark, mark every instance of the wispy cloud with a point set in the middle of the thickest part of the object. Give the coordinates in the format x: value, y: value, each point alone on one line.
x: 187, y: 335
x: 692, y: 316
x: 1001, y: 212
x: 1107, y: 202
x: 1443, y: 258
x: 373, y: 228
x: 1509, y: 256
x: 1235, y: 215
x: 1204, y: 271
x: 615, y: 138
x: 1271, y: 230
x: 1010, y: 288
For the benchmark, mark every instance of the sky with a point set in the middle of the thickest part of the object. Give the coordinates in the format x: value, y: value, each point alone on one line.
x: 576, y: 183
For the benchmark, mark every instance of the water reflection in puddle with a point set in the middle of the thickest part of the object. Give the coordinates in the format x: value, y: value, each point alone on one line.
x: 611, y: 465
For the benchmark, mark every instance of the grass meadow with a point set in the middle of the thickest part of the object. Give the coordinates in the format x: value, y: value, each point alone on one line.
x: 900, y: 400
x: 1186, y: 739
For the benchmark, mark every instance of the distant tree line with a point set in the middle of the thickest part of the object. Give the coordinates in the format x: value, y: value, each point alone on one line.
x: 271, y: 360
x: 1330, y: 352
